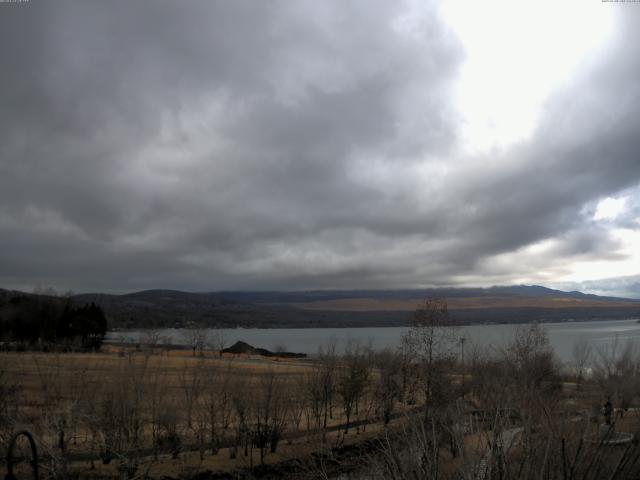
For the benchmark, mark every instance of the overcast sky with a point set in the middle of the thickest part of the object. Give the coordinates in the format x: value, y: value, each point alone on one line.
x: 207, y: 145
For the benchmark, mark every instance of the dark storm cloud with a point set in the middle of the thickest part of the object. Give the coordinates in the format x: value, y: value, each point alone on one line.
x: 208, y: 145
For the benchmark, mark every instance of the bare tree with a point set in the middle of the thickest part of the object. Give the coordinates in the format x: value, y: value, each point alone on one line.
x: 407, y: 370
x: 327, y: 359
x: 297, y: 403
x: 531, y: 357
x: 581, y: 358
x: 432, y: 339
x: 616, y: 370
x: 197, y: 338
x: 352, y: 378
x: 192, y: 384
x: 156, y: 403
x: 387, y: 388
x: 314, y: 383
x: 122, y: 416
x: 268, y: 413
x: 217, y: 341
x: 217, y: 405
x: 59, y: 417
x: 151, y: 339
x: 241, y: 409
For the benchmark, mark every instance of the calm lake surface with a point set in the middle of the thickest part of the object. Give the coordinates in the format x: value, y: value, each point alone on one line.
x: 563, y: 336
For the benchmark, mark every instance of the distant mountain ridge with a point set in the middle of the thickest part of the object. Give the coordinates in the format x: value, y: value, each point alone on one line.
x: 349, y: 308
x: 277, y: 296
x: 444, y: 292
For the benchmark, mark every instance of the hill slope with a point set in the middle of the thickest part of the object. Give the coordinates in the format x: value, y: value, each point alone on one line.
x: 341, y: 308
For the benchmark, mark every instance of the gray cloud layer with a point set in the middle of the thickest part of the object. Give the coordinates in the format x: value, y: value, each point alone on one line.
x: 221, y: 145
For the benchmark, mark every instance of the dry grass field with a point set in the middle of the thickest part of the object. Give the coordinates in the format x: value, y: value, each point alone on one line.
x: 132, y: 406
x: 142, y: 413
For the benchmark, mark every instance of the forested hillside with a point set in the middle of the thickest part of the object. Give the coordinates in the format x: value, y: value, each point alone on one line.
x: 352, y: 308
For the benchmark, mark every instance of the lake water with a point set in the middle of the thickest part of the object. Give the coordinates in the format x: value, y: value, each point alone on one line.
x: 563, y: 336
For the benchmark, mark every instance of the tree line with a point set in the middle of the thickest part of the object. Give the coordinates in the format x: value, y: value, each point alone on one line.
x: 50, y: 322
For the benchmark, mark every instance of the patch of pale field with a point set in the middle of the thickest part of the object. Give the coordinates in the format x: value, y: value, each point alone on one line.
x: 409, y: 305
x: 30, y: 370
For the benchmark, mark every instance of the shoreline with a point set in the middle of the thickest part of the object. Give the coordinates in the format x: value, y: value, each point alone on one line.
x: 322, y: 327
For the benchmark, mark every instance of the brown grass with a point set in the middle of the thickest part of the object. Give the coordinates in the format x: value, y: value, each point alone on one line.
x: 49, y: 382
